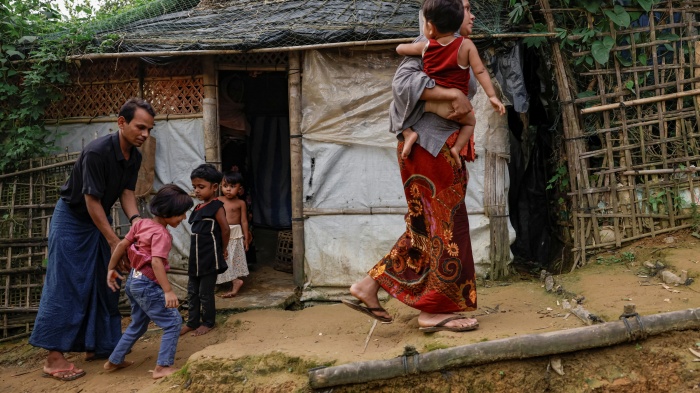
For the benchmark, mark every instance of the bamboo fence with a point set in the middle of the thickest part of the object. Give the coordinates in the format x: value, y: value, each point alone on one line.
x: 632, y: 144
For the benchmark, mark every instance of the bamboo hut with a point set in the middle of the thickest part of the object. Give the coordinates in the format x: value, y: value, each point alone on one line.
x: 315, y: 81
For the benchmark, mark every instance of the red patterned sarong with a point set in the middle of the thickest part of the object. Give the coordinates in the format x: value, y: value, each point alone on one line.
x: 431, y: 267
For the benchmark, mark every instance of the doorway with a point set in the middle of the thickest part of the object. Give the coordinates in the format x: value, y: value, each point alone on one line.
x: 254, y: 127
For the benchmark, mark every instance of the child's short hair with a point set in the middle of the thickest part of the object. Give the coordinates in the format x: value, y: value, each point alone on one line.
x: 207, y: 172
x: 170, y: 201
x: 232, y: 177
x: 446, y: 15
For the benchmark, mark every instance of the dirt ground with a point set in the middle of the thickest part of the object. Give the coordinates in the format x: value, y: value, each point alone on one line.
x: 272, y: 350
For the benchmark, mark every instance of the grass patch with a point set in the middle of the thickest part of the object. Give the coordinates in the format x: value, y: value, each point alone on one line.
x: 433, y: 346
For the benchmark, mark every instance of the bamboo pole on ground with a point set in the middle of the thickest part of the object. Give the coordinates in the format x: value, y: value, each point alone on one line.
x: 528, y: 346
x: 296, y: 158
x: 212, y: 146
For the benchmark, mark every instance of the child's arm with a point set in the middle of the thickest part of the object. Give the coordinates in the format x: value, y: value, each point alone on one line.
x: 159, y: 270
x: 225, y: 231
x: 412, y: 49
x: 244, y: 225
x: 116, y: 258
x: 469, y: 56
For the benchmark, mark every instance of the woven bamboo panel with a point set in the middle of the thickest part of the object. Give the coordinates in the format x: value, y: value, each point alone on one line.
x: 93, y: 100
x: 266, y: 59
x: 98, y: 88
x: 640, y: 154
x: 175, y: 96
x: 284, y: 257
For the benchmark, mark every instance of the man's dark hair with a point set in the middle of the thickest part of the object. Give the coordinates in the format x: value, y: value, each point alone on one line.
x: 207, y: 172
x: 129, y: 108
x: 233, y: 177
x: 170, y: 201
x: 446, y: 15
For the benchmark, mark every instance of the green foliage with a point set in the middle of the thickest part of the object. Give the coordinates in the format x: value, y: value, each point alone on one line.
x: 34, y: 41
x: 619, y: 16
x: 628, y: 256
x: 536, y: 41
x: 561, y: 177
x: 600, y: 49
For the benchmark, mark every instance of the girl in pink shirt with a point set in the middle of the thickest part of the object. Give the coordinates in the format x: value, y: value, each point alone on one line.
x: 148, y: 244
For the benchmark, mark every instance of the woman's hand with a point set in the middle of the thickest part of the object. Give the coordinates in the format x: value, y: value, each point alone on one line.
x: 461, y: 105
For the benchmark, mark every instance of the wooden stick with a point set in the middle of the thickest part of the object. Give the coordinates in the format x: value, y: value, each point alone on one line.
x: 112, y: 119
x: 93, y: 56
x: 374, y: 324
x: 58, y: 164
x: 640, y: 101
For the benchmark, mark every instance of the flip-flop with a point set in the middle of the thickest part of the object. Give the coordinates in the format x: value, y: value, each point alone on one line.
x: 228, y: 295
x: 440, y: 326
x: 65, y: 378
x: 368, y: 311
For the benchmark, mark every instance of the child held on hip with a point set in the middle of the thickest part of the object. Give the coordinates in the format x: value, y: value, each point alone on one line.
x: 447, y: 59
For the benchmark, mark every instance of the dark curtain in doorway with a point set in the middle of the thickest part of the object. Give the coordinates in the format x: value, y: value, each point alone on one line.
x: 268, y: 149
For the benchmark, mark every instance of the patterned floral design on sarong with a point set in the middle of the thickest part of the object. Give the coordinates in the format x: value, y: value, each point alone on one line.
x: 431, y: 267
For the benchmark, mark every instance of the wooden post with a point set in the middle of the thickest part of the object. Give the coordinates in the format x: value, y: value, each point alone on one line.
x: 296, y: 158
x: 212, y: 148
x: 495, y: 210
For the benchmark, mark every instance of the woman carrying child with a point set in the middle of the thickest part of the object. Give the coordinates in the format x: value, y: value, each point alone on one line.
x: 237, y: 218
x: 210, y: 237
x: 148, y: 244
x: 446, y: 59
x: 431, y: 267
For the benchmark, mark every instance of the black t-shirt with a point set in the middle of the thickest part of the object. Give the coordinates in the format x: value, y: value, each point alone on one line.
x: 103, y: 172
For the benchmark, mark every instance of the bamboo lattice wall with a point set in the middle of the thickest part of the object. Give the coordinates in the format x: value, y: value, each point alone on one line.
x: 28, y: 196
x: 632, y: 141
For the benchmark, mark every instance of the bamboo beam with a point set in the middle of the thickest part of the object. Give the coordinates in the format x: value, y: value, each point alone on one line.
x: 296, y: 162
x: 522, y: 347
x: 300, y: 48
x: 110, y: 119
x: 312, y: 211
x: 641, y: 101
x: 212, y: 145
x: 22, y: 172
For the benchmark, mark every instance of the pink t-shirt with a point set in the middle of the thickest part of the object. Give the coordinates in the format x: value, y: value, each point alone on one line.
x: 149, y: 239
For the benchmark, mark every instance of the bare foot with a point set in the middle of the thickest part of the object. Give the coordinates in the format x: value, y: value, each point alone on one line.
x: 455, y: 155
x: 109, y: 366
x: 366, y: 291
x: 202, y: 330
x: 185, y: 329
x: 237, y: 284
x: 409, y: 138
x: 428, y: 320
x: 161, y: 371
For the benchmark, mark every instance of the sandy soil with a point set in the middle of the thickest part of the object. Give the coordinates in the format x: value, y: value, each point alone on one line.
x: 272, y: 350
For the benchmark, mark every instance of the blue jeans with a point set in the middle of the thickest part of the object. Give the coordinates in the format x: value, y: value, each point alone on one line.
x: 148, y: 304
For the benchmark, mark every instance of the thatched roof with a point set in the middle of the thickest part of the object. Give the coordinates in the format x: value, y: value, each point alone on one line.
x: 250, y: 24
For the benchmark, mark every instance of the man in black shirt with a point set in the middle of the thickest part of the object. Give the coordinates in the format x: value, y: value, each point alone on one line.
x: 77, y: 312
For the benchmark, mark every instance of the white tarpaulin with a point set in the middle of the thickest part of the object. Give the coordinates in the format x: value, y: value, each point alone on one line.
x: 350, y: 162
